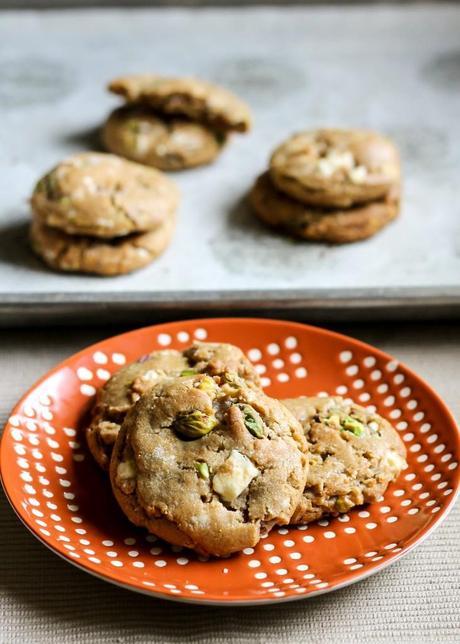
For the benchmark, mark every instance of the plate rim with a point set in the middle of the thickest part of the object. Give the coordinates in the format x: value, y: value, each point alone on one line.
x: 392, y: 558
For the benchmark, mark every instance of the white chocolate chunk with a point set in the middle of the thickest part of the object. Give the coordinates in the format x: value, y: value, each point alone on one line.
x: 234, y: 476
x: 335, y: 161
x: 152, y: 375
x: 126, y: 470
x: 108, y: 432
x: 142, y: 143
x: 90, y: 184
x: 334, y: 421
x: 395, y: 461
x: 358, y: 174
x: 374, y: 426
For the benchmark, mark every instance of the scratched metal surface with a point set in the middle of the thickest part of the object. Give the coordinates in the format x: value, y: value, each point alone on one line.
x: 396, y: 69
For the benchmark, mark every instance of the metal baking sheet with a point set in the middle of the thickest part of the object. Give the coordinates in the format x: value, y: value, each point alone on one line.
x: 393, y: 68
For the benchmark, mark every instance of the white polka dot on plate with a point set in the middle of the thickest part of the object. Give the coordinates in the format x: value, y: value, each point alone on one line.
x: 182, y: 561
x: 200, y: 334
x: 87, y: 390
x: 273, y: 349
x: 290, y: 342
x: 100, y: 358
x: 254, y: 355
x: 352, y: 370
x: 84, y: 374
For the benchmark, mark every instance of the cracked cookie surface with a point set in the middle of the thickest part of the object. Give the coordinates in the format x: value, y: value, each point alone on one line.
x: 208, y: 463
x: 318, y: 224
x: 354, y: 455
x: 194, y: 98
x: 139, y: 134
x: 116, y: 397
x: 101, y: 195
x: 78, y: 254
x: 335, y: 168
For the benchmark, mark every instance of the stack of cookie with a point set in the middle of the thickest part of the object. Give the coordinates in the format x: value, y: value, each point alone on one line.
x: 97, y: 213
x: 172, y: 123
x: 330, y: 185
x: 200, y: 456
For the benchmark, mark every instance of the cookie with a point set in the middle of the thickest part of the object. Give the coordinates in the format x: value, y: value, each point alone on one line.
x: 191, y: 97
x: 335, y: 168
x: 117, y: 256
x: 101, y: 195
x: 209, y: 463
x: 122, y: 390
x: 217, y: 357
x: 354, y: 455
x: 139, y: 134
x: 315, y: 224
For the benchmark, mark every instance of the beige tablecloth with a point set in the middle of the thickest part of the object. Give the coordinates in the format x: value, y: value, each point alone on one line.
x: 44, y: 599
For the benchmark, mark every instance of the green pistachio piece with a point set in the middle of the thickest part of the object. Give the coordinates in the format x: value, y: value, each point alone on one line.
x: 48, y: 185
x: 133, y: 126
x: 232, y: 379
x: 194, y: 424
x: 41, y: 185
x: 66, y: 202
x: 342, y: 505
x: 187, y: 372
x: 353, y: 425
x: 202, y: 469
x: 253, y: 422
x: 208, y: 385
x: 220, y: 137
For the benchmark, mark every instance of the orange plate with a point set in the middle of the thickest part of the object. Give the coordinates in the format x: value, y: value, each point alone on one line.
x: 65, y: 500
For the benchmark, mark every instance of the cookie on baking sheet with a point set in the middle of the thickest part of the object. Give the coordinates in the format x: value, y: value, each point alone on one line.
x: 117, y: 256
x: 209, y: 463
x: 335, y: 168
x: 196, y: 99
x: 315, y: 224
x: 354, y: 455
x: 101, y: 195
x: 123, y: 389
x: 137, y: 133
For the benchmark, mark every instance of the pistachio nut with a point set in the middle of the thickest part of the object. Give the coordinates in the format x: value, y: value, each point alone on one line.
x: 252, y: 420
x: 194, y: 424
